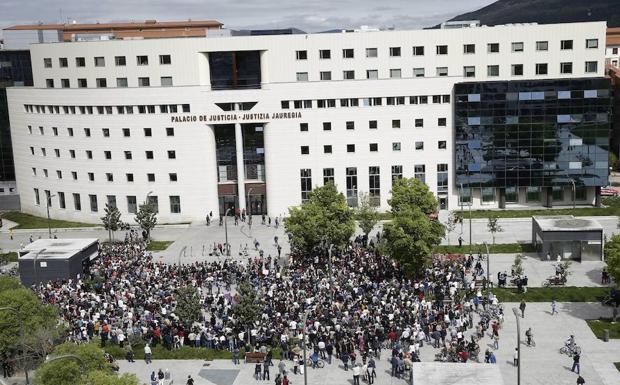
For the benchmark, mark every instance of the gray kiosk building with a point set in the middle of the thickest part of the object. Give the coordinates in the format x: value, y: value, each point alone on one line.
x: 572, y: 238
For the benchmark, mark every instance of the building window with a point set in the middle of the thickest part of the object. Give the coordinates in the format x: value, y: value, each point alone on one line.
x: 173, y: 177
x: 148, y: 132
x: 326, y: 75
x: 469, y: 48
x: 129, y: 177
x: 325, y: 54
x: 591, y: 66
x: 420, y: 172
x: 154, y: 201
x: 441, y: 145
x: 395, y: 73
x: 144, y: 82
x: 419, y: 122
x: 49, y: 83
x: 350, y: 125
x: 348, y: 75
x: 488, y: 194
x: 172, y: 154
x: 395, y: 146
x: 99, y: 61
x: 442, y: 71
x: 142, y: 60
x: 394, y: 51
x: 397, y: 173
x: 61, y: 200
x: 91, y: 176
x: 371, y: 52
x: 374, y: 185
x: 72, y: 154
x: 301, y: 55
x: 327, y: 126
x: 512, y: 195
x: 93, y: 203
x: 419, y: 145
x: 64, y: 83
x: 165, y: 59
x: 350, y: 148
x: 305, y: 150
x: 351, y: 182
x: 542, y: 46
x: 441, y: 49
x: 175, y: 204
x: 442, y: 178
x: 591, y: 43
x: 532, y: 194
x: 372, y: 124
x: 149, y: 154
x: 82, y: 83
x: 105, y: 132
x: 541, y: 69
x: 63, y: 62
x: 557, y: 193
x: 121, y: 82
x: 348, y: 53
x: 37, y: 198
x: 566, y: 68
x: 77, y: 203
x: 442, y: 122
x: 327, y: 149
x: 108, y: 154
x: 126, y: 132
x: 395, y: 123
x: 469, y: 71
x: 418, y: 72
x: 150, y: 177
x: 303, y: 126
x: 374, y: 147
x: 109, y: 176
x: 328, y: 175
x: 120, y: 61
x: 566, y: 44
x: 128, y: 155
x: 132, y: 206
x: 166, y: 81
x: 517, y: 47
x: 493, y: 47
x: 80, y: 62
x: 302, y: 76
x: 372, y: 74
x: 517, y: 69
x: 306, y: 183
x: 74, y: 175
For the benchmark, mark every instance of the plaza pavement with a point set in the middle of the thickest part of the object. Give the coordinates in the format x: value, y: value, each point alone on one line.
x: 541, y: 365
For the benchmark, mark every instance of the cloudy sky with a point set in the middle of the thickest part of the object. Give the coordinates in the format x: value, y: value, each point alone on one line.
x: 309, y: 15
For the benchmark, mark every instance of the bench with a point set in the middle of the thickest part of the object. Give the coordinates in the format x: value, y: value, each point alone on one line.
x: 253, y: 358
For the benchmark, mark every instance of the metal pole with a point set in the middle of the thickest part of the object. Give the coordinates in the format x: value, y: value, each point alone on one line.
x: 574, y: 192
x: 226, y: 232
x: 471, y: 198
x: 21, y: 337
x: 180, y: 253
x: 36, y: 256
x: 248, y: 206
x: 488, y: 258
x: 49, y: 225
x: 516, y: 313
x: 303, y: 339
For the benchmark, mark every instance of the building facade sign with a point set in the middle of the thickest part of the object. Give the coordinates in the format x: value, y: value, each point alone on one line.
x: 235, y: 117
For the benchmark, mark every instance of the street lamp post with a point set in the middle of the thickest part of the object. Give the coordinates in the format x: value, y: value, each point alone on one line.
x: 226, y: 232
x: 469, y: 205
x: 34, y: 261
x: 572, y: 181
x: 516, y: 313
x: 49, y: 225
x: 488, y: 262
x: 181, y: 253
x: 248, y: 205
x: 303, y: 339
x: 21, y: 337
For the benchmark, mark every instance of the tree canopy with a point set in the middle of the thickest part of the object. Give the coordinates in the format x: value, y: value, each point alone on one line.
x: 250, y: 306
x: 188, y: 306
x: 412, y: 234
x: 112, y: 219
x: 366, y: 214
x: 325, y: 215
x: 612, y: 255
x: 147, y: 218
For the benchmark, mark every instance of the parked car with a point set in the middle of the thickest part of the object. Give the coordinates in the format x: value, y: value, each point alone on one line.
x: 609, y: 191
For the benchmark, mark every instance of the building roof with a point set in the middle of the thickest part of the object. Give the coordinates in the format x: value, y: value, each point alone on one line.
x: 55, y: 248
x: 567, y: 223
x: 613, y: 36
x: 148, y: 24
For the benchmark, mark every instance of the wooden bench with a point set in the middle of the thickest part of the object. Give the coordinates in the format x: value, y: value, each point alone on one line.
x: 253, y: 358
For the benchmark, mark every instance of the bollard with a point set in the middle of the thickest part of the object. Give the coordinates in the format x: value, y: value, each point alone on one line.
x: 606, y: 335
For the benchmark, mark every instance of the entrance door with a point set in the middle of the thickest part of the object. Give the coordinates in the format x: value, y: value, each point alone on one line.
x: 228, y: 202
x: 443, y: 203
x: 257, y: 204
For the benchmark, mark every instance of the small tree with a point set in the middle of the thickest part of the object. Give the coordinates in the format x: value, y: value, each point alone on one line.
x: 367, y: 215
x: 250, y: 306
x: 612, y: 255
x: 111, y: 220
x: 494, y: 227
x: 517, y: 266
x: 188, y: 305
x: 450, y: 224
x: 147, y: 218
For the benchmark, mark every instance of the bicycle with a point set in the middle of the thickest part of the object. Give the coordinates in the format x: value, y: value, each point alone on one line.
x: 319, y: 364
x: 570, y: 351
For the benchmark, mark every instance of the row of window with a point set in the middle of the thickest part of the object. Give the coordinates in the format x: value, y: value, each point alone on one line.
x: 374, y: 181
x: 364, y: 102
x: 532, y: 194
x: 419, y: 50
x: 164, y: 81
x: 149, y: 154
x: 132, y: 203
x: 468, y: 71
x: 105, y: 132
x: 537, y: 95
x: 374, y: 147
x: 106, y: 110
x: 129, y: 177
x: 373, y: 124
x: 99, y: 61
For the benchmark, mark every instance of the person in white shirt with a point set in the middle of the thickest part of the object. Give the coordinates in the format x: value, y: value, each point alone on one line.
x: 147, y: 354
x: 356, y: 375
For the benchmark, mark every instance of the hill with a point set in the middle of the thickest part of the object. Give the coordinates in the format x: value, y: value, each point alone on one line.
x: 546, y: 12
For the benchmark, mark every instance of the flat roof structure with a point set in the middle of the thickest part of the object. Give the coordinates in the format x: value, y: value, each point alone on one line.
x: 56, y: 248
x: 569, y: 237
x: 567, y: 223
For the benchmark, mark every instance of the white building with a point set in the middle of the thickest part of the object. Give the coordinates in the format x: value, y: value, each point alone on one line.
x: 612, y: 51
x: 200, y: 124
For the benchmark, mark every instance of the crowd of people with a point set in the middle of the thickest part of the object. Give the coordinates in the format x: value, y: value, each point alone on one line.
x: 351, y: 308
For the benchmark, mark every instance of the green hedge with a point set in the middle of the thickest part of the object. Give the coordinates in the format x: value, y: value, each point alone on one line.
x: 158, y: 245
x: 8, y: 257
x: 547, y: 294
x: 599, y: 325
x: 493, y: 249
x: 27, y: 221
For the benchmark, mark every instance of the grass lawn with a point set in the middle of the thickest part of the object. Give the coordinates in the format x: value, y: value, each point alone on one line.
x: 493, y: 249
x: 598, y: 325
x: 8, y: 257
x: 547, y: 294
x: 27, y: 221
x: 617, y: 365
x: 158, y: 245
x: 185, y: 353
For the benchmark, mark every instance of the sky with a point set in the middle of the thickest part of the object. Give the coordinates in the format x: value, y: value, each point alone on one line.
x: 309, y: 15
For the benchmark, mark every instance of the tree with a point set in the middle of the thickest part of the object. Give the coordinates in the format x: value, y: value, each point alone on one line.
x: 147, y: 218
x: 612, y: 255
x: 324, y: 216
x: 493, y: 226
x: 450, y: 224
x: 367, y: 215
x: 60, y: 372
x: 412, y: 193
x: 111, y: 220
x: 412, y: 234
x: 517, y: 266
x: 249, y: 307
x: 99, y: 377
x: 188, y: 307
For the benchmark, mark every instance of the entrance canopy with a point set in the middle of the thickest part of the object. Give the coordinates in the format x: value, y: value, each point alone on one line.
x: 569, y: 237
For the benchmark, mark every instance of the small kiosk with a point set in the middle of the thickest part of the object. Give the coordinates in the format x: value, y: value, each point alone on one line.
x: 572, y: 238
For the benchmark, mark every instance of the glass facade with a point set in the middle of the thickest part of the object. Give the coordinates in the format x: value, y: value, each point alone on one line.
x: 235, y: 70
x: 253, y: 151
x: 226, y: 152
x: 541, y: 133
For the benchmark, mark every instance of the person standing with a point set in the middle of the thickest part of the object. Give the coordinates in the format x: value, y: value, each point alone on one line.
x: 554, y: 306
x: 190, y: 381
x: 515, y: 359
x: 580, y: 380
x: 529, y: 335
x: 266, y: 371
x: 460, y: 241
x: 576, y: 358
x: 147, y: 354
x: 522, y: 308
x: 371, y: 370
x: 356, y: 375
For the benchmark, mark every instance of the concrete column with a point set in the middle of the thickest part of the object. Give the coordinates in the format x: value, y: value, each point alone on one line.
x: 240, y: 166
x: 501, y: 198
x: 597, y: 196
x: 549, y: 196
